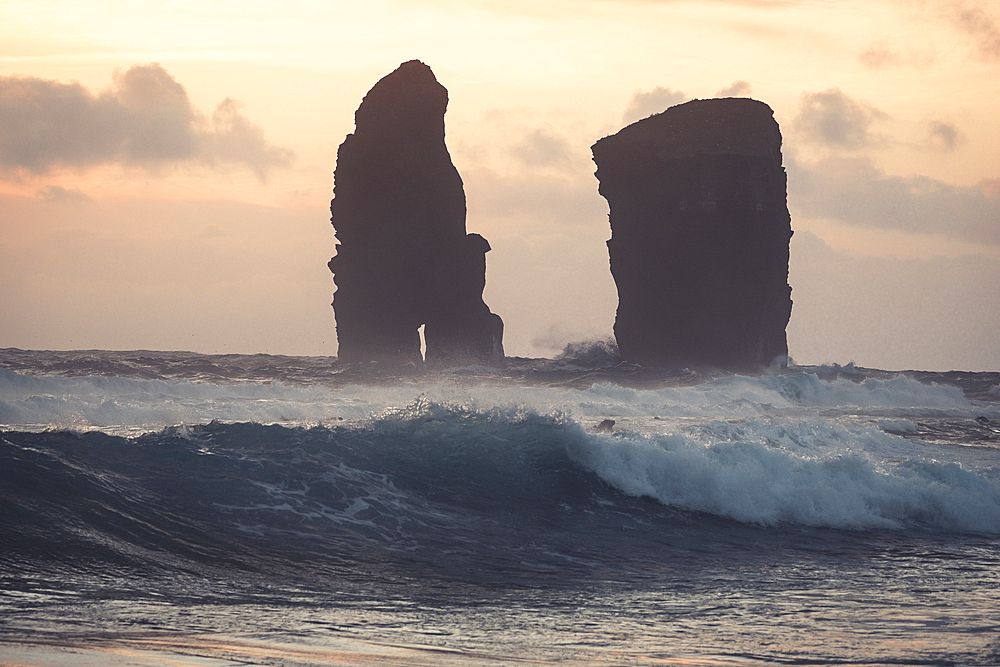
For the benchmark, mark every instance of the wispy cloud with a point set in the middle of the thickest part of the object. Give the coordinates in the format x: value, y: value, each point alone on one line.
x: 145, y: 119
x: 737, y: 89
x: 533, y: 197
x: 855, y: 192
x: 836, y: 119
x: 943, y: 136
x: 881, y: 55
x: 981, y: 25
x: 543, y: 148
x: 760, y: 4
x: 990, y: 187
x: 54, y: 194
x: 645, y: 104
x: 235, y: 138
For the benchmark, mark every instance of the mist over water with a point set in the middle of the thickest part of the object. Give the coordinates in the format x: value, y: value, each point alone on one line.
x: 817, y: 514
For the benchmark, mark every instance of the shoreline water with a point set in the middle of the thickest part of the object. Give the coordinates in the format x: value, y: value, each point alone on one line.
x: 215, y: 651
x: 228, y: 651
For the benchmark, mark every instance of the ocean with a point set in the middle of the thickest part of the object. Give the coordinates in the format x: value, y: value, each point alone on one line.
x: 165, y: 508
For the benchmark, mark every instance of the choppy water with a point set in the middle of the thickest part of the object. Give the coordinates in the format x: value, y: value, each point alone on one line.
x: 814, y: 515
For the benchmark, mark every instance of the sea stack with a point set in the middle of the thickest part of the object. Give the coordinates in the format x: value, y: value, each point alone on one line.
x: 699, y: 236
x: 404, y: 258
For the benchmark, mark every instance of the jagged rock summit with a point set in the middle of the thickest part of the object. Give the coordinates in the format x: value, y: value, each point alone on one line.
x: 699, y: 236
x: 404, y: 258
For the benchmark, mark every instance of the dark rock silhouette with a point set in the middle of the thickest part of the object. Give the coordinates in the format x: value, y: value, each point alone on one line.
x: 404, y: 258
x: 606, y: 426
x: 699, y: 236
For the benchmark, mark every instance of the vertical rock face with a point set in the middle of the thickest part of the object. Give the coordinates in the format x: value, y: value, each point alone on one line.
x: 699, y: 235
x: 404, y: 258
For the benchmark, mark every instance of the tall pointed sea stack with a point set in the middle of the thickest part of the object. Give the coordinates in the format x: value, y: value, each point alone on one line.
x: 404, y: 258
x: 699, y: 235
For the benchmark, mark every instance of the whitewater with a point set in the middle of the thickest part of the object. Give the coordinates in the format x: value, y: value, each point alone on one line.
x: 178, y: 508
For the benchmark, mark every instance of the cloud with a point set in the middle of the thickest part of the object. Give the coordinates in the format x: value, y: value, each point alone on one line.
x: 834, y: 118
x: 145, y: 119
x: 54, y: 194
x: 880, y: 56
x: 235, y: 138
x: 976, y: 19
x: 943, y: 136
x: 982, y: 26
x: 855, y: 192
x: 644, y: 104
x: 543, y: 148
x: 756, y: 4
x: 531, y: 198
x: 737, y: 89
x: 990, y: 187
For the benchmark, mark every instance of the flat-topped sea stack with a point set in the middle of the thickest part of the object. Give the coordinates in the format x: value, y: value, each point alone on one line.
x: 699, y: 236
x: 404, y: 258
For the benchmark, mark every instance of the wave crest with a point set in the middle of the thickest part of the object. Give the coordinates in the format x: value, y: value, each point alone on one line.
x: 810, y: 474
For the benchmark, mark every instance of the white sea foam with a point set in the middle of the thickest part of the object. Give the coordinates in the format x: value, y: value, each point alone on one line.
x: 100, y: 402
x: 793, y: 392
x: 814, y: 473
x: 808, y: 470
x: 790, y: 448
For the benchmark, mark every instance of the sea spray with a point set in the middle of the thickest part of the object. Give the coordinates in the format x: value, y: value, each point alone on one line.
x: 813, y: 474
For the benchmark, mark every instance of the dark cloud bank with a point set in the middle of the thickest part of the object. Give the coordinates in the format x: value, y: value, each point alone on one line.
x: 851, y: 189
x: 832, y: 117
x: 145, y: 119
x: 981, y: 24
x: 855, y: 192
x: 836, y: 119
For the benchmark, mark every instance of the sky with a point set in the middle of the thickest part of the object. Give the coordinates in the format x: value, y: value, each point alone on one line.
x: 166, y: 167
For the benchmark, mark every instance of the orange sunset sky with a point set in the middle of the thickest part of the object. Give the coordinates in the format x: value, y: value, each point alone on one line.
x: 166, y: 167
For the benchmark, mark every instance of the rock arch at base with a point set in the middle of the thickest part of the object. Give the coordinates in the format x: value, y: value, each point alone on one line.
x: 404, y: 259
